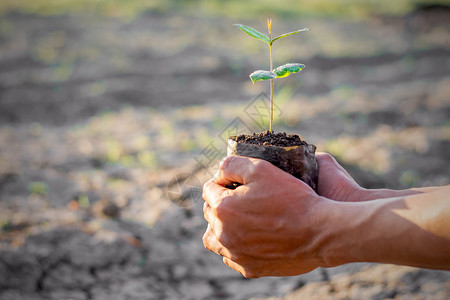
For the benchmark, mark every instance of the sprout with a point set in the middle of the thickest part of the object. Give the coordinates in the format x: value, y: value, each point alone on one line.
x: 279, y: 72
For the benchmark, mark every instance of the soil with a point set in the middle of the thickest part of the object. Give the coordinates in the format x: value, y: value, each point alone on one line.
x: 268, y: 138
x: 288, y: 152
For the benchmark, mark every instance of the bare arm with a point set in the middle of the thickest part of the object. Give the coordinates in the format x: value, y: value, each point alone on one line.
x: 409, y: 230
x: 336, y: 183
x: 275, y: 225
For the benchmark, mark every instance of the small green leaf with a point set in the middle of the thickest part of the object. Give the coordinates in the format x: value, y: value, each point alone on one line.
x: 83, y: 201
x: 287, y: 69
x: 289, y: 33
x: 38, y: 188
x: 262, y: 75
x: 253, y: 33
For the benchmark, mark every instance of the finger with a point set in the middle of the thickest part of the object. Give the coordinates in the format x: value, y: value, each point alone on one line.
x: 329, y: 164
x: 210, y: 216
x: 239, y: 268
x: 326, y: 162
x: 324, y: 159
x: 212, y: 244
x: 234, y: 169
x: 207, y: 212
x: 214, y: 193
x: 233, y: 265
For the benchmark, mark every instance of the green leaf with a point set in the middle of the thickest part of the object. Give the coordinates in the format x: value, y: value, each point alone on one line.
x: 289, y: 33
x: 287, y: 69
x: 253, y: 33
x: 262, y: 75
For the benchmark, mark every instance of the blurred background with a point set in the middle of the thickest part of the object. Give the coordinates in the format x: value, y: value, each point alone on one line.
x: 114, y: 113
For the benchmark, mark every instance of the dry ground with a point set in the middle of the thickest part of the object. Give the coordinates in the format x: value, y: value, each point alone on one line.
x: 105, y: 125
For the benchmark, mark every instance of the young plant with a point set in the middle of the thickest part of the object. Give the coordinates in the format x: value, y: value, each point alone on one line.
x: 281, y: 71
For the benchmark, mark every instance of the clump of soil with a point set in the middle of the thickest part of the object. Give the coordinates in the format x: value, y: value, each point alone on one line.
x: 286, y: 151
x: 268, y: 138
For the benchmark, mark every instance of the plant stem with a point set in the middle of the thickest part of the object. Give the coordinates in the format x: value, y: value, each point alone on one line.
x: 271, y: 91
x: 269, y: 26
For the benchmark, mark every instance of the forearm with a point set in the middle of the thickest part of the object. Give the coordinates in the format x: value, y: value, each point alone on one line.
x: 410, y: 230
x: 373, y: 194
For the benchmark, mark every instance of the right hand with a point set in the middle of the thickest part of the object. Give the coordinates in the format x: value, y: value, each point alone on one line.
x: 270, y: 225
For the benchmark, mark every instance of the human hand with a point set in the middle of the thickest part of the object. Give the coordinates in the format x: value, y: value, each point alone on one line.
x: 268, y: 226
x: 335, y: 182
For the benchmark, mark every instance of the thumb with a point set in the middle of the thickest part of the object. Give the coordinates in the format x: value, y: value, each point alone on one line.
x: 330, y: 167
x: 234, y: 169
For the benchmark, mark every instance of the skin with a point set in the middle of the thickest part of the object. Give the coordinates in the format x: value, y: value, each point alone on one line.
x: 276, y: 225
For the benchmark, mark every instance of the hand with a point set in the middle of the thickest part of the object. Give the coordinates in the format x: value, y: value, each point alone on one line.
x: 265, y: 227
x: 335, y: 182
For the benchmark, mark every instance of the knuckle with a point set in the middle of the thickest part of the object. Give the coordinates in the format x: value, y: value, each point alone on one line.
x: 205, y: 189
x: 230, y: 162
x: 209, y: 239
x: 224, y: 205
x: 224, y: 163
x: 221, y: 212
x: 225, y: 238
x: 222, y: 238
x: 249, y: 273
x: 241, y: 268
x: 260, y: 166
x: 204, y: 196
x: 205, y: 240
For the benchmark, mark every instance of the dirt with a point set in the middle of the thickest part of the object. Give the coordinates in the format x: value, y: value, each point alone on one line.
x: 288, y: 152
x: 267, y: 138
x: 106, y: 136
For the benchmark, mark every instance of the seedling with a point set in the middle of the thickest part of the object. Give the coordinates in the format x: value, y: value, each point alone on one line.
x: 281, y: 71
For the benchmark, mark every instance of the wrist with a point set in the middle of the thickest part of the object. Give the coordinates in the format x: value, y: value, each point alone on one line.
x: 332, y: 237
x: 373, y: 194
x: 347, y: 232
x: 409, y: 230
